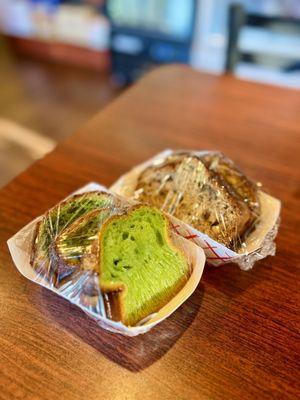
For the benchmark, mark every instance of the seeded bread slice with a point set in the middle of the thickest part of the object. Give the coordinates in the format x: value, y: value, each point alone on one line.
x: 188, y: 187
x: 44, y: 257
x: 141, y: 269
x: 246, y: 189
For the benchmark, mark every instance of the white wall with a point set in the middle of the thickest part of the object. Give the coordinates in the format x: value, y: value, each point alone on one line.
x: 210, y: 42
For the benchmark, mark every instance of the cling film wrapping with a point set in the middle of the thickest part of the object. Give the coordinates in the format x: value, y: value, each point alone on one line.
x: 61, y: 251
x: 220, y: 209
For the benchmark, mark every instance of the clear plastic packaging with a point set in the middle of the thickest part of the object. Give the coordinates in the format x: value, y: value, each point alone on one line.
x: 60, y: 251
x: 220, y: 209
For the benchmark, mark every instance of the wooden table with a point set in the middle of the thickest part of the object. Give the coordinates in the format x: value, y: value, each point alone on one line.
x: 237, y: 336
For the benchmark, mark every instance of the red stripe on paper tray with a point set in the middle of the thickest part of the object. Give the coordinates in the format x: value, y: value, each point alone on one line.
x: 216, y: 255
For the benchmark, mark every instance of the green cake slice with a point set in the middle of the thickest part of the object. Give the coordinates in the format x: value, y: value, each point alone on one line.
x: 141, y: 270
x: 44, y: 258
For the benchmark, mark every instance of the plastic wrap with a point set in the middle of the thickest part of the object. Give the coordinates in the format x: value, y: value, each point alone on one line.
x: 224, y: 213
x: 60, y: 252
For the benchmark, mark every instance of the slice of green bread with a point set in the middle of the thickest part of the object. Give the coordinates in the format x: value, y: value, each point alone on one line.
x: 44, y: 258
x: 141, y: 270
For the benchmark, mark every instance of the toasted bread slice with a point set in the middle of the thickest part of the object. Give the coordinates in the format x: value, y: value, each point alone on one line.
x: 141, y: 269
x: 186, y: 186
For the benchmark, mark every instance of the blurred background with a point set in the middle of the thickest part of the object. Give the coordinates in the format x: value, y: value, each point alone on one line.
x: 62, y: 61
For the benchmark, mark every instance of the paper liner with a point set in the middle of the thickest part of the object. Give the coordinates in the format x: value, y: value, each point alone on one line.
x: 258, y: 244
x: 20, y: 248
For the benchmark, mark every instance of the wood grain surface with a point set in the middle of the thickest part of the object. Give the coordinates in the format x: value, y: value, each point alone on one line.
x: 237, y: 337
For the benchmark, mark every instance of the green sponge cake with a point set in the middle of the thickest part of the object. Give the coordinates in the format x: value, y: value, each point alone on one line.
x: 141, y: 270
x: 44, y: 258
